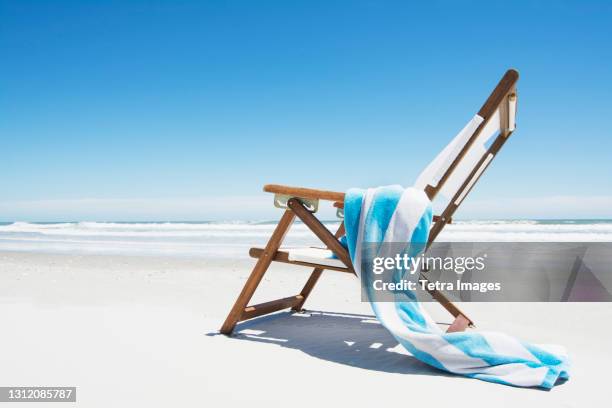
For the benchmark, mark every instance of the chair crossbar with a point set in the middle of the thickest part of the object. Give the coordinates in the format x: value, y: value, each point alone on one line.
x: 283, y: 257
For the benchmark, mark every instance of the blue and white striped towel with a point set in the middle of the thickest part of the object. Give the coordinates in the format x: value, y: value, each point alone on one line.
x: 395, y: 214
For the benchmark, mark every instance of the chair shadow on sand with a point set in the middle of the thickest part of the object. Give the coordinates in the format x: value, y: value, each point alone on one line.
x: 350, y: 339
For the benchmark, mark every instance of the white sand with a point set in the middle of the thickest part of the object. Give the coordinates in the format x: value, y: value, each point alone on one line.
x: 139, y: 332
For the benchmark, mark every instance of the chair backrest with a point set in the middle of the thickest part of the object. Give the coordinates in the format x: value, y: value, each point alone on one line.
x: 459, y: 165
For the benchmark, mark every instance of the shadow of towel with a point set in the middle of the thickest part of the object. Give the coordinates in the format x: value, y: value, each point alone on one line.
x: 350, y: 339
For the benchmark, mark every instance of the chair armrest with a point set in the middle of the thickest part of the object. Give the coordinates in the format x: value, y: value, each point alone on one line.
x: 301, y: 192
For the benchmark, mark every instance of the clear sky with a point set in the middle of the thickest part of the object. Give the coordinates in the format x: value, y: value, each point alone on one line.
x: 132, y: 110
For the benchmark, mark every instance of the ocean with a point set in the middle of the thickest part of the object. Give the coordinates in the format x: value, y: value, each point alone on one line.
x: 232, y: 239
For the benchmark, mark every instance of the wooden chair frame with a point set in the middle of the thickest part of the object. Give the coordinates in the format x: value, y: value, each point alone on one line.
x: 501, y: 97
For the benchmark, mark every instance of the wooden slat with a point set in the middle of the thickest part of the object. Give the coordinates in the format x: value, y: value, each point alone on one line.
x: 308, y: 287
x: 282, y: 256
x: 302, y: 192
x: 269, y: 307
x: 437, y: 218
x: 320, y: 231
x: 505, y: 86
x: 501, y: 91
x: 452, y: 207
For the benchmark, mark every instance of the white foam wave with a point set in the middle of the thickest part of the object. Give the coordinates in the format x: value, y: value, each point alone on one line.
x: 233, y: 237
x: 166, y: 229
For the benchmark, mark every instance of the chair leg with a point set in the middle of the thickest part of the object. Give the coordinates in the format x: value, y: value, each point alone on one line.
x: 449, y: 306
x: 459, y: 324
x: 310, y: 284
x: 260, y: 268
x: 314, y: 277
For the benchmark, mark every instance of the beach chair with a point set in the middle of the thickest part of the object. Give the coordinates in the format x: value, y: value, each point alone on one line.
x: 452, y: 175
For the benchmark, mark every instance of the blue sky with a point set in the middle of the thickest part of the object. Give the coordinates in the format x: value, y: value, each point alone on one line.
x: 183, y: 110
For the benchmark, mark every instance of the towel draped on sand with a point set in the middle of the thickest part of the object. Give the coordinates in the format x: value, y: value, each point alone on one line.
x: 393, y: 214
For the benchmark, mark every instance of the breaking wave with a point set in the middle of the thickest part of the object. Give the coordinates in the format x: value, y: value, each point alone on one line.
x: 232, y: 238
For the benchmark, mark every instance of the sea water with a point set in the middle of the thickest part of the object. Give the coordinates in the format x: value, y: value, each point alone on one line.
x: 233, y: 238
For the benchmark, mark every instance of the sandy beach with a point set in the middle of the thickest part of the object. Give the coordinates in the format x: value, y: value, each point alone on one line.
x: 142, y: 331
x: 458, y: 151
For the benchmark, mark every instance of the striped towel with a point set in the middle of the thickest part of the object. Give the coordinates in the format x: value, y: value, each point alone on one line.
x: 395, y: 214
